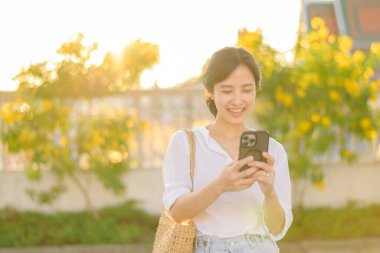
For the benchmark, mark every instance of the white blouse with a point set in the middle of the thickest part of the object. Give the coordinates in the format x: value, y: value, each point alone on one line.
x: 233, y: 213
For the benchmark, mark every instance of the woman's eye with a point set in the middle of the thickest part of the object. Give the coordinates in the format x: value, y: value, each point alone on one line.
x: 248, y: 91
x: 226, y: 91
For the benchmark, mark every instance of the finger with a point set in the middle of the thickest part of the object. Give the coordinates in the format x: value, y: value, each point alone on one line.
x: 263, y: 175
x: 263, y: 180
x: 242, y: 162
x: 251, y: 164
x: 248, y: 172
x: 245, y: 182
x: 270, y: 159
x: 262, y: 166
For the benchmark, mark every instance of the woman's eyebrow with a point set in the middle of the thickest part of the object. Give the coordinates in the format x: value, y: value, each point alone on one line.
x: 231, y: 86
x: 226, y: 86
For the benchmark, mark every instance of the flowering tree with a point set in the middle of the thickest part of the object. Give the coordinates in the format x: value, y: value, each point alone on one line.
x: 45, y: 125
x: 311, y: 103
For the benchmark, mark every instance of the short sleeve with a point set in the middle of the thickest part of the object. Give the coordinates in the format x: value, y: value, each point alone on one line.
x: 282, y: 187
x: 176, y: 169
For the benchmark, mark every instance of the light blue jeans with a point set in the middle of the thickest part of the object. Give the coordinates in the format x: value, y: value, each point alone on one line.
x: 241, y: 244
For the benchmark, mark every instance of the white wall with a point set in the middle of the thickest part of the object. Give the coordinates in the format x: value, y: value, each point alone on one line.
x: 343, y: 183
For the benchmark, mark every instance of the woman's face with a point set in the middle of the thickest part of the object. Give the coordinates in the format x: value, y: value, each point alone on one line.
x: 235, y: 95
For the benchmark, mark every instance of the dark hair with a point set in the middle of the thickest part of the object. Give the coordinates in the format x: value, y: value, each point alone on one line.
x: 222, y: 63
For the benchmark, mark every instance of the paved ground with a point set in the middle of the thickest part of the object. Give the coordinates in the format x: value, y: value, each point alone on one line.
x: 340, y: 246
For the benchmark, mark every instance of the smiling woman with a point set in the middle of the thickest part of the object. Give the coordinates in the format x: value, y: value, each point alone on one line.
x: 233, y: 210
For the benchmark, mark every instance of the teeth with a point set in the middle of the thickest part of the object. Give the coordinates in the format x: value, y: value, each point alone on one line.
x: 236, y: 110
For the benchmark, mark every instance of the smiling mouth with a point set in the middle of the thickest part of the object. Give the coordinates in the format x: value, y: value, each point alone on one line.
x: 236, y: 110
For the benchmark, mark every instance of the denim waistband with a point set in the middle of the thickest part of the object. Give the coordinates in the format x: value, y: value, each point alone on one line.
x: 204, y: 242
x: 255, y: 237
x: 205, y: 239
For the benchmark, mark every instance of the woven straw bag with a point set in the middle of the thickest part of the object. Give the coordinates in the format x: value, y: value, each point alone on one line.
x: 173, y: 237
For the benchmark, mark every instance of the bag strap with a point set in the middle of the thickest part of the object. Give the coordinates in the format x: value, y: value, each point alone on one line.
x: 190, y: 136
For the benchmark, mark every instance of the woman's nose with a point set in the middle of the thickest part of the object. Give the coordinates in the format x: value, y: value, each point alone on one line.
x: 237, y: 97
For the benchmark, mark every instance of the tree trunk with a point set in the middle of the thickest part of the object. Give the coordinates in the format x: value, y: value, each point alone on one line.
x: 91, y: 210
x: 341, y: 142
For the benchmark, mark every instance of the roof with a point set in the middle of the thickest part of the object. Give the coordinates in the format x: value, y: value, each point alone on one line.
x: 359, y: 19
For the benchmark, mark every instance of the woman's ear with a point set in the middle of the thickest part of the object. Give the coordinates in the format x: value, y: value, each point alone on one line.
x: 209, y: 95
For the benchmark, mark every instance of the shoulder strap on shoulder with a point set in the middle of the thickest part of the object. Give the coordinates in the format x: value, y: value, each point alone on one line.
x: 190, y: 135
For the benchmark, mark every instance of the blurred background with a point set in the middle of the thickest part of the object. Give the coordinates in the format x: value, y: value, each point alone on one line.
x: 91, y: 92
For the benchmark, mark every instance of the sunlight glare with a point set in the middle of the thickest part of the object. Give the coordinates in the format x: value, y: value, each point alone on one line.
x: 187, y: 33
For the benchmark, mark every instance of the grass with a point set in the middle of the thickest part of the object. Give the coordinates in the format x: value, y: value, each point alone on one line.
x: 329, y: 224
x: 120, y: 224
x: 126, y: 223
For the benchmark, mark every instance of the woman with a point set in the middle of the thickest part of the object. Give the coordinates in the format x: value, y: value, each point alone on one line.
x: 233, y: 210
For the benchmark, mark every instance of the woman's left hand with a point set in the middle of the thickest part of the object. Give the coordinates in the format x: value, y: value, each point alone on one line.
x: 265, y: 175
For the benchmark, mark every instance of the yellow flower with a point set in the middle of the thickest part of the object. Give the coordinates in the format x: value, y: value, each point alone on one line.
x: 133, y: 117
x: 331, y: 39
x: 345, y: 43
x: 8, y: 116
x: 365, y: 123
x: 300, y: 93
x: 63, y: 141
x: 259, y: 107
x: 314, y: 78
x: 348, y: 154
x: 310, y: 57
x: 114, y: 156
x: 352, y: 88
x: 334, y: 96
x: 287, y: 100
x: 250, y: 40
x: 97, y: 138
x: 315, y: 118
x: 283, y: 97
x: 47, y: 105
x: 372, y: 134
x: 323, y: 33
x: 373, y: 90
x: 320, y: 185
x: 129, y: 123
x: 326, y: 121
x: 279, y: 93
x: 342, y: 60
x: 304, y: 126
x: 132, y: 144
x: 144, y: 124
x: 303, y: 83
x: 368, y: 73
x: 304, y: 44
x: 375, y: 48
x: 326, y: 57
x: 315, y: 46
x: 317, y: 22
x: 24, y: 108
x: 358, y: 56
x: 27, y: 136
x: 313, y: 37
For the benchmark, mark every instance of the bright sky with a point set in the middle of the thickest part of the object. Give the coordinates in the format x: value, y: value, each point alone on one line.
x: 187, y: 32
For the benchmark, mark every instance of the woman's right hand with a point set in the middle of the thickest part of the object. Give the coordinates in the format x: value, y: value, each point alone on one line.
x: 232, y: 179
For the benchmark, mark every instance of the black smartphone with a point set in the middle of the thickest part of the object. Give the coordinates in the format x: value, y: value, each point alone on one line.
x: 253, y: 143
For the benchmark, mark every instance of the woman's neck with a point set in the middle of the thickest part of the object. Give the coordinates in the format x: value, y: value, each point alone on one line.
x: 223, y: 129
